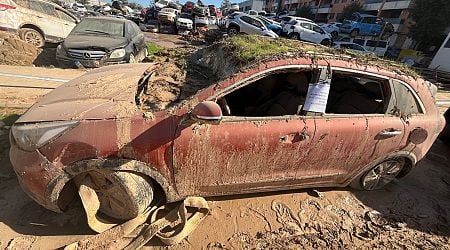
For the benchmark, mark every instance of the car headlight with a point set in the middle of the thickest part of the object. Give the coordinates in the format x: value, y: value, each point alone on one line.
x: 60, y: 50
x: 30, y: 137
x: 118, y: 53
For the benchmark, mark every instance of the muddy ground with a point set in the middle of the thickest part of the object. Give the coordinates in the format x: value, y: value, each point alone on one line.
x: 413, y: 212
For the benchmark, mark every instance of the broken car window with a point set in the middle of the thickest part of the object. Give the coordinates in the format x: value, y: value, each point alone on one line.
x: 357, y: 94
x: 274, y: 95
x: 405, y: 101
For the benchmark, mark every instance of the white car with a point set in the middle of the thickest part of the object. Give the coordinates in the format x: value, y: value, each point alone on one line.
x: 351, y: 46
x: 184, y: 21
x: 242, y: 23
x: 308, y: 31
x: 212, y: 20
x: 167, y: 15
x: 332, y: 28
x: 78, y: 7
x: 162, y: 4
x: 201, y: 21
x: 287, y: 19
x: 36, y: 21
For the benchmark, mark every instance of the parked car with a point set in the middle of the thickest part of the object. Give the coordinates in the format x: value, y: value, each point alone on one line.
x: 167, y: 15
x: 284, y: 21
x: 378, y: 47
x: 332, y: 28
x: 271, y: 16
x: 252, y: 12
x: 307, y: 31
x: 362, y: 24
x: 184, y: 21
x: 99, y: 41
x: 351, y: 46
x: 201, y: 21
x: 78, y: 7
x: 212, y: 20
x: 445, y: 134
x: 161, y: 4
x: 242, y: 23
x: 36, y: 21
x: 218, y: 139
x: 270, y: 24
x: 188, y: 7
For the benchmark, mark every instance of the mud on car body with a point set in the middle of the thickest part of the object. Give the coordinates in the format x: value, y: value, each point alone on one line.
x: 222, y: 125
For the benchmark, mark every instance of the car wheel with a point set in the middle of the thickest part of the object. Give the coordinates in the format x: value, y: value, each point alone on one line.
x: 132, y: 59
x: 325, y: 42
x: 32, y: 36
x: 379, y: 175
x: 232, y: 31
x: 295, y: 36
x: 354, y: 33
x: 122, y: 195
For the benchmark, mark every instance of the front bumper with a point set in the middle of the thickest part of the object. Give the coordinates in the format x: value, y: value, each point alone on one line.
x: 37, y: 176
x: 71, y: 62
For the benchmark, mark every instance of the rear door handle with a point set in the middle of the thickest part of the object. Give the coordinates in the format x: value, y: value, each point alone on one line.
x: 390, y: 133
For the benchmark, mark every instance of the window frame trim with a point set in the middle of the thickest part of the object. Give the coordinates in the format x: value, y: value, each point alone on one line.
x: 414, y: 94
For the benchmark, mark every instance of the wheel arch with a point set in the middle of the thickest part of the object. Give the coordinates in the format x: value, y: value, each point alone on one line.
x: 61, y: 190
x: 410, y: 162
x: 235, y: 25
x: 33, y: 26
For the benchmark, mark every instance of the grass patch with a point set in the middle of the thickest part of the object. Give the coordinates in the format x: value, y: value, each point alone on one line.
x: 249, y: 48
x: 153, y: 48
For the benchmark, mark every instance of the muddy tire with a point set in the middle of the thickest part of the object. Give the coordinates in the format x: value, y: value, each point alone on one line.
x: 380, y: 175
x: 122, y: 195
x: 354, y: 33
x: 294, y: 35
x: 232, y: 30
x: 32, y: 36
x: 326, y: 42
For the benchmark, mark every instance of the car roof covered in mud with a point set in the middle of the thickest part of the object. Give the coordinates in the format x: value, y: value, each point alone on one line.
x: 179, y: 74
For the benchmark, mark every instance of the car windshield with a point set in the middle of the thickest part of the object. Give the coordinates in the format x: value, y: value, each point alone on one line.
x: 100, y: 27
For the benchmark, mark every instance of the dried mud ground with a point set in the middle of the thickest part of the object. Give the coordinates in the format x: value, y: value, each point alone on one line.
x: 410, y: 213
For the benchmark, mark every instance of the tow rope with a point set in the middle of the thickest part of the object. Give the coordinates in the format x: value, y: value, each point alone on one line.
x: 170, y: 223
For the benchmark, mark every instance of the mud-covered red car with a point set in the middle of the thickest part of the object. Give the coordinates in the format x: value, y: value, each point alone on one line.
x: 226, y: 119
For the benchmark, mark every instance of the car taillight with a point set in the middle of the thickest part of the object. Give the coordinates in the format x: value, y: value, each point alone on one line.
x: 4, y: 7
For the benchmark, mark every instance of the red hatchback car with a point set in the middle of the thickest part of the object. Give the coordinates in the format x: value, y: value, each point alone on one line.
x: 232, y: 121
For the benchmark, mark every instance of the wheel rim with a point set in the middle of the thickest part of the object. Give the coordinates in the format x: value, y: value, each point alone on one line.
x: 114, y: 200
x: 381, y: 174
x: 33, y: 38
x: 233, y: 31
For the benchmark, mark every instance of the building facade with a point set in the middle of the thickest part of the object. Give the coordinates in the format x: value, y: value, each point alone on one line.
x: 394, y: 11
x: 257, y: 5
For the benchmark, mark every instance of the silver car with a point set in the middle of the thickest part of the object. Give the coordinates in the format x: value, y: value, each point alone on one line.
x: 242, y: 23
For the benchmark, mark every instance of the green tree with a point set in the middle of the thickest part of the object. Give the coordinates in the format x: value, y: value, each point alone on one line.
x: 349, y: 10
x: 431, y: 19
x: 305, y: 11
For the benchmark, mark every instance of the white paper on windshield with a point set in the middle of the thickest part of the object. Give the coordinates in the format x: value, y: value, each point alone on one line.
x: 316, y: 100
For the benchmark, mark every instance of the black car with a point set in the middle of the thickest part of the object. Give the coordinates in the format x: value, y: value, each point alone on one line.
x: 99, y: 41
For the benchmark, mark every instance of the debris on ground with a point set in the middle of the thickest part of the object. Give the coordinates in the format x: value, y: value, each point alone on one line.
x: 14, y: 51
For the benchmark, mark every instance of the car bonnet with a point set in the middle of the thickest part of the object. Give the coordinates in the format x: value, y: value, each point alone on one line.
x: 103, y: 93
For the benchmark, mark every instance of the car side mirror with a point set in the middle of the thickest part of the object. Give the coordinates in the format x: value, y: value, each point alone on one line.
x: 207, y: 112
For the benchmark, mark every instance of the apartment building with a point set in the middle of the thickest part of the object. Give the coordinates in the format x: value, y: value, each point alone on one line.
x: 394, y: 11
x: 247, y: 5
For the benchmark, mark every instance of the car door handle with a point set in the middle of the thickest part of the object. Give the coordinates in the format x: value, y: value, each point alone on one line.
x: 390, y: 133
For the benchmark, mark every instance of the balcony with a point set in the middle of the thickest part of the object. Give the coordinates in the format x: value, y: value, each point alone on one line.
x: 389, y: 5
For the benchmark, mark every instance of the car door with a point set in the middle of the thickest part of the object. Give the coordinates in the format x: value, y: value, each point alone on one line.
x: 318, y: 33
x: 44, y: 16
x: 251, y: 26
x: 246, y: 153
x: 306, y: 33
x: 358, y: 127
x: 68, y: 22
